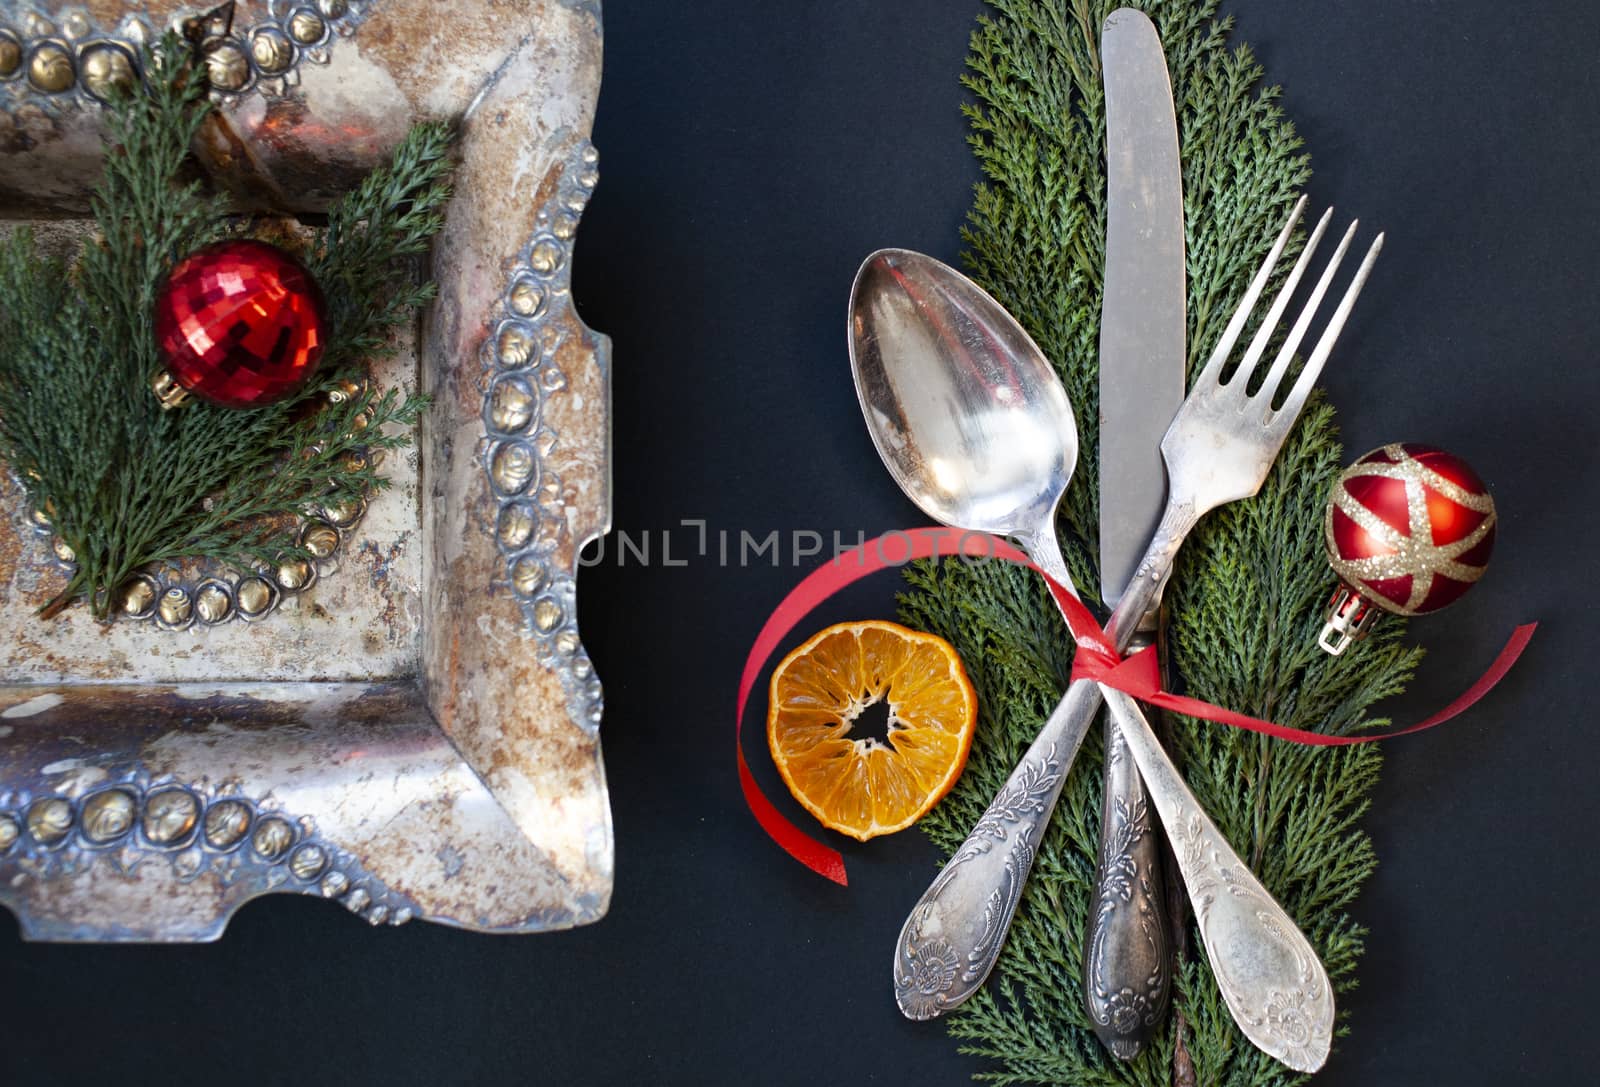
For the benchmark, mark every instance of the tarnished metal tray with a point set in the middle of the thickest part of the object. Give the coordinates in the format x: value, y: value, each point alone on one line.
x: 410, y: 728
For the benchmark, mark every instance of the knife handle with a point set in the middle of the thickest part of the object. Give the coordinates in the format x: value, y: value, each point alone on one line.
x: 1127, y: 972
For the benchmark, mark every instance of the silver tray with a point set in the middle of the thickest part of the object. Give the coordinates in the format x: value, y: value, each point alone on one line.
x: 413, y: 732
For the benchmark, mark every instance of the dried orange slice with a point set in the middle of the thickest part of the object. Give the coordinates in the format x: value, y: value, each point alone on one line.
x: 861, y: 786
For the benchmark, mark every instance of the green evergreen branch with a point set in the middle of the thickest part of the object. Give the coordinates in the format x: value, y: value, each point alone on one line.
x: 1249, y: 589
x: 127, y: 484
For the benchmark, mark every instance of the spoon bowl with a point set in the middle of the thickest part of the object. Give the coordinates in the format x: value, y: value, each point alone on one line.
x: 965, y: 410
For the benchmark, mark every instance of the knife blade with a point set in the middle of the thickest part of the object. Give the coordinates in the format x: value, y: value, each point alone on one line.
x: 1127, y: 974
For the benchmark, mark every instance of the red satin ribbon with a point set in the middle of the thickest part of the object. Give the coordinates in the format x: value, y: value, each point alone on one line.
x: 1096, y: 659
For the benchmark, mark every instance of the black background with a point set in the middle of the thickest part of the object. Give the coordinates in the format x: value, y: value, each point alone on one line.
x: 751, y: 155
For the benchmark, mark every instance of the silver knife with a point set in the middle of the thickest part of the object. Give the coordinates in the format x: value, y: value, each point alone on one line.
x: 1127, y: 964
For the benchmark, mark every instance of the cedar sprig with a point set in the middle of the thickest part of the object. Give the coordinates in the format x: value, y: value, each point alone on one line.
x: 126, y: 484
x: 1250, y: 586
x: 365, y: 259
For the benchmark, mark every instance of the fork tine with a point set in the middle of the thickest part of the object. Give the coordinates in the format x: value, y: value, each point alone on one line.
x: 1258, y: 345
x: 1230, y: 335
x: 1302, y: 386
x: 1291, y: 343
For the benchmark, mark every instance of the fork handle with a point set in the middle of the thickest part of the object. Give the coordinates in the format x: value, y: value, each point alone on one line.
x: 1142, y: 597
x: 1270, y: 976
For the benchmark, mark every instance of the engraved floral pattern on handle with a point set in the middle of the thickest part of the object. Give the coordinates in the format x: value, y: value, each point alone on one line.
x: 1268, y: 973
x: 1031, y: 790
x: 1127, y: 969
x: 922, y: 975
x: 997, y: 912
x: 930, y: 974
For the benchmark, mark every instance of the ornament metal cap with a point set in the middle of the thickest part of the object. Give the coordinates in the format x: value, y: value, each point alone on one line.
x: 167, y: 390
x: 1348, y: 619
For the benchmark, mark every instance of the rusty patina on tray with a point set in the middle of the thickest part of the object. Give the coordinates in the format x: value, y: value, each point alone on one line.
x: 415, y: 735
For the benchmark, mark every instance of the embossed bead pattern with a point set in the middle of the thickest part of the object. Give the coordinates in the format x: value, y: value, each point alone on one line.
x: 226, y: 824
x: 10, y: 54
x: 50, y: 820
x: 237, y: 59
x: 108, y: 815
x: 522, y: 378
x: 229, y: 839
x: 170, y: 815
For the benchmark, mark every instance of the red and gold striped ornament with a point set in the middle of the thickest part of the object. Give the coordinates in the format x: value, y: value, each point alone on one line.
x: 1409, y: 529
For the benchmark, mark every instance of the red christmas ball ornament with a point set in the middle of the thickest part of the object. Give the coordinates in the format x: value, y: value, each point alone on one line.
x: 1409, y: 529
x: 238, y: 323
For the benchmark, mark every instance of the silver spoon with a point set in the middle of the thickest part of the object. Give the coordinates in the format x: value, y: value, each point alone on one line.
x: 974, y: 425
x: 976, y: 428
x: 964, y: 409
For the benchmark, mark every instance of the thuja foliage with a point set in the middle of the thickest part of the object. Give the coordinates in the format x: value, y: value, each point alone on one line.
x: 1249, y: 588
x: 126, y: 484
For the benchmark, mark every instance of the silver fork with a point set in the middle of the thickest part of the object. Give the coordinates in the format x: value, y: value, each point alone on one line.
x: 1218, y: 449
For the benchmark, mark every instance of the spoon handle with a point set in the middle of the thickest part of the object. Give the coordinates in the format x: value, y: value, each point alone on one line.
x: 953, y: 936
x: 1269, y: 975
